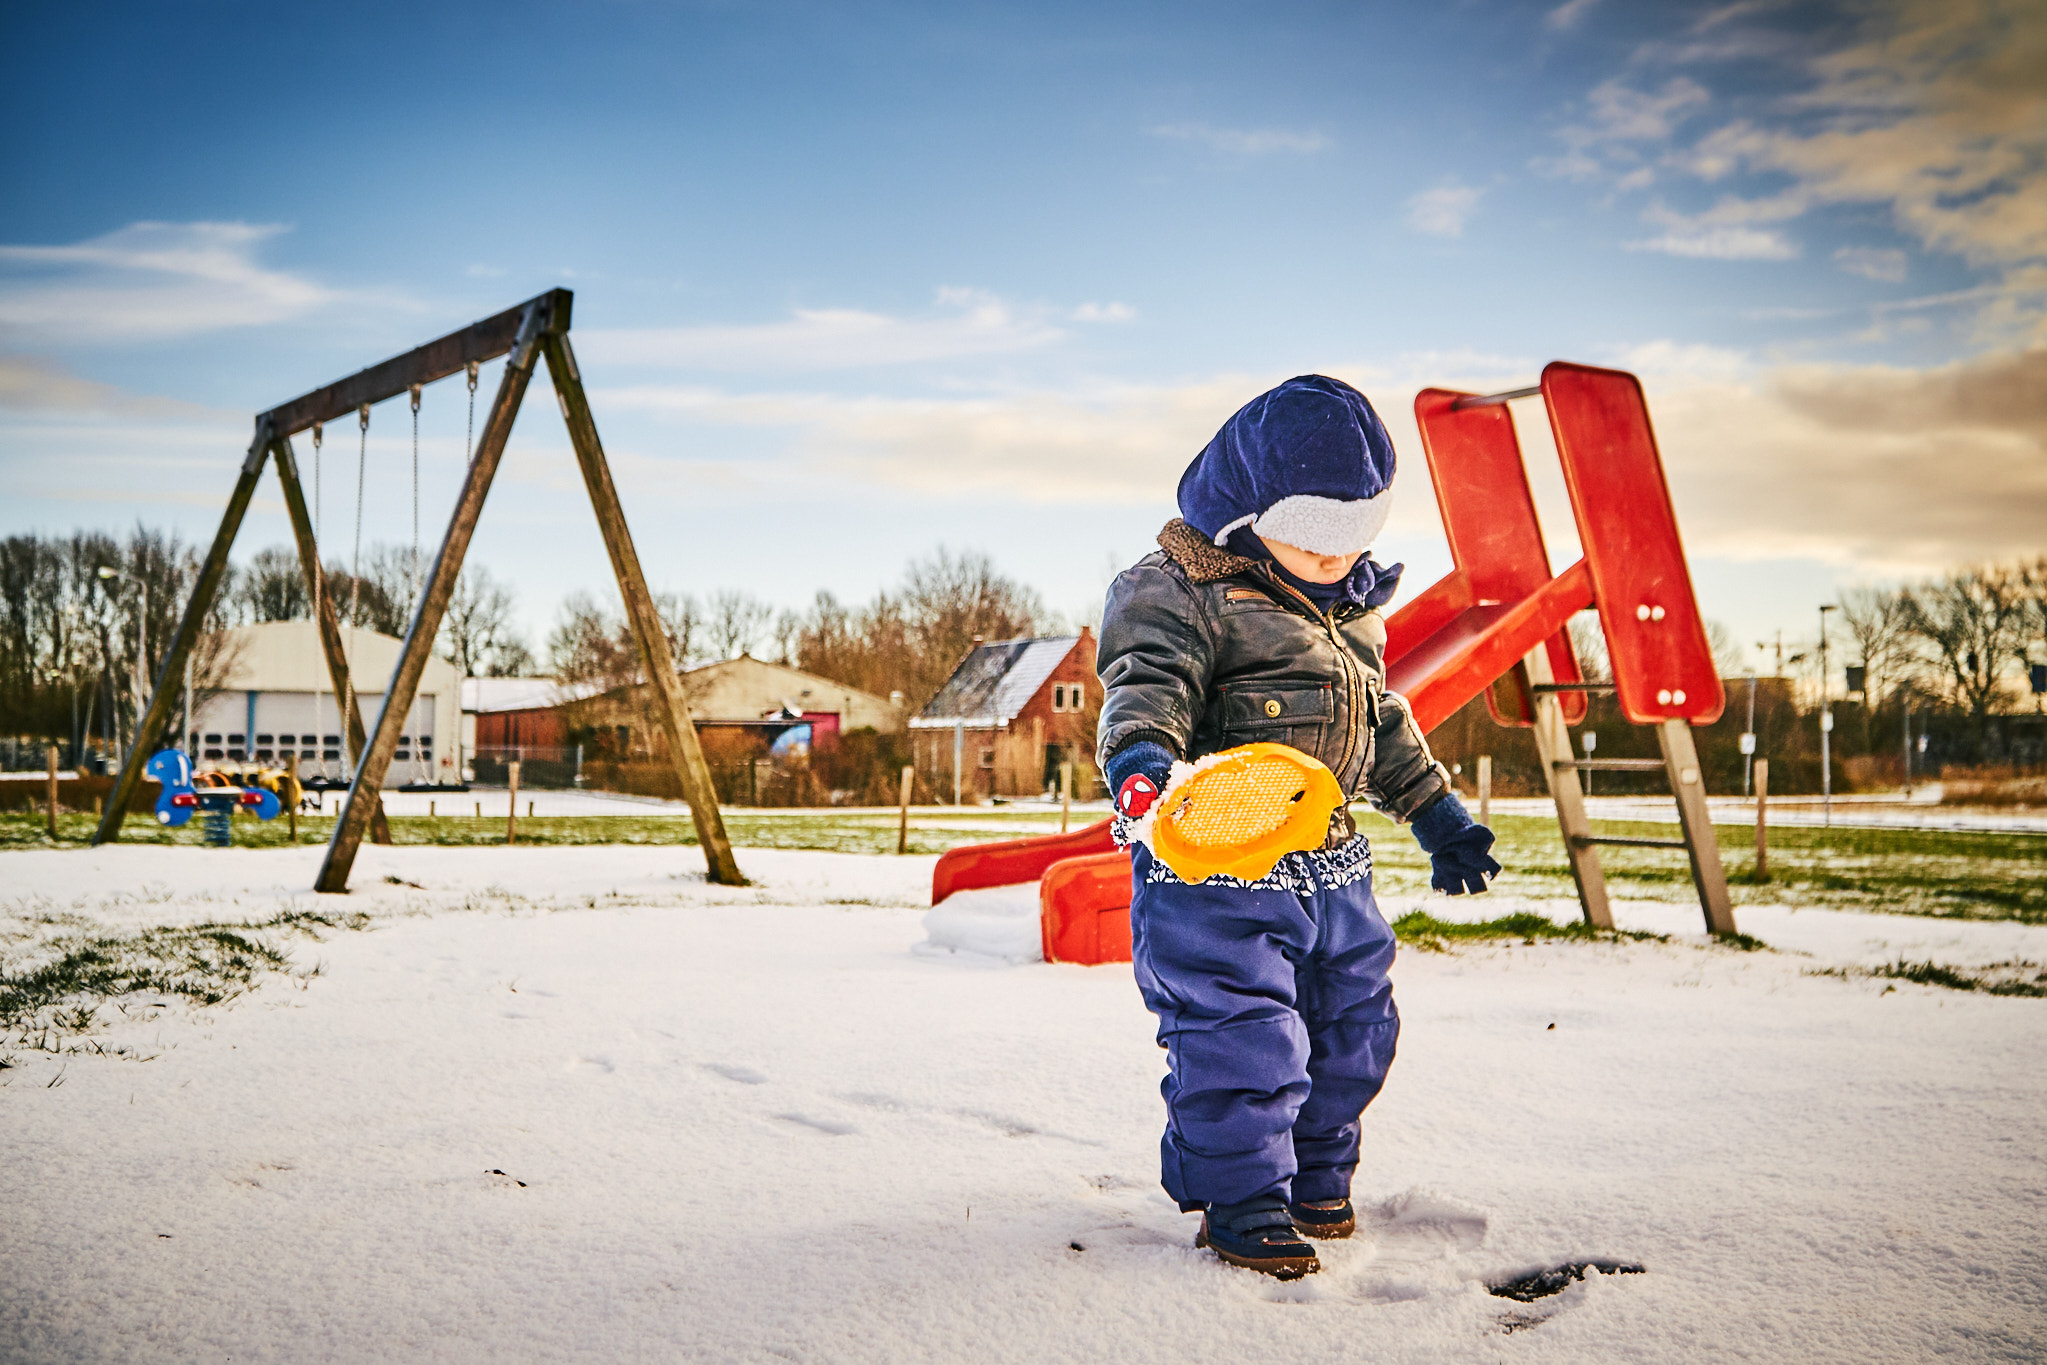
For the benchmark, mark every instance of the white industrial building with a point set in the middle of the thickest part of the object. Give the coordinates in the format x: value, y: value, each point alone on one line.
x: 278, y: 702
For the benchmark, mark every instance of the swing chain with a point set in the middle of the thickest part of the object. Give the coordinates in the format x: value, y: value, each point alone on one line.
x: 469, y: 441
x: 415, y: 500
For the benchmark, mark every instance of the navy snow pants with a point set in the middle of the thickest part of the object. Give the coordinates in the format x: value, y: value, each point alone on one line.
x: 1278, y: 1024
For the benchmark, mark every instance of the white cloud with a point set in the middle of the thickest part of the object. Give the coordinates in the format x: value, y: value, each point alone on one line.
x: 1725, y: 232
x: 1244, y: 141
x: 1621, y: 113
x: 1720, y: 244
x: 1885, y: 264
x: 1441, y: 211
x: 150, y: 281
x: 964, y: 323
x: 1568, y: 14
x: 30, y: 384
x: 1104, y: 312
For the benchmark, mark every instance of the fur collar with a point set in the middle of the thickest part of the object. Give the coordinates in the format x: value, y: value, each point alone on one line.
x: 1203, y: 560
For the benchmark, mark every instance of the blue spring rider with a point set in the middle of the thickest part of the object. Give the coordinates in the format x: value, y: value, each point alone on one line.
x: 216, y: 805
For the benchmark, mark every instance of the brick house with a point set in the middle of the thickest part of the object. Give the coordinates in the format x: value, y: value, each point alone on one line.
x: 1013, y: 711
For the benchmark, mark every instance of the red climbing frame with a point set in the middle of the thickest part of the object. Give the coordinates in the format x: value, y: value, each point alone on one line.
x: 1465, y: 635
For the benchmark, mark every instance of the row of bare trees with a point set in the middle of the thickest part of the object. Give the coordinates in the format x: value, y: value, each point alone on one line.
x: 86, y: 619
x: 904, y: 639
x: 1967, y: 640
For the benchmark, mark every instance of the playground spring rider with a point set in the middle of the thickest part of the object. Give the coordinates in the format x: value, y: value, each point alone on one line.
x: 208, y: 794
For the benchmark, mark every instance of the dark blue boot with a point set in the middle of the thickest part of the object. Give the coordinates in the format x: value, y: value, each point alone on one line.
x: 1328, y: 1219
x: 1258, y: 1235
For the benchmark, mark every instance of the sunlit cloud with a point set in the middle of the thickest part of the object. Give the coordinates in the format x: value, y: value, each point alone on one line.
x: 1441, y: 212
x: 150, y: 281
x: 963, y: 323
x: 1884, y: 264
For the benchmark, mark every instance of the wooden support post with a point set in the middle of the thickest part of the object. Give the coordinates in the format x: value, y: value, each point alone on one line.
x: 1688, y: 784
x: 291, y: 787
x: 1762, y: 807
x: 212, y: 569
x: 512, y: 805
x: 1553, y: 749
x: 1065, y: 795
x: 1485, y: 789
x: 683, y: 749
x: 903, y: 811
x: 363, y: 799
x: 326, y: 619
x: 51, y: 756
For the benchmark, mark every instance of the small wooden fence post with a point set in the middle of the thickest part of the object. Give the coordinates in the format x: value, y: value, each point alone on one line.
x: 1485, y: 789
x: 512, y: 806
x: 52, y: 756
x: 1065, y: 795
x: 903, y: 811
x: 1762, y: 805
x: 291, y: 786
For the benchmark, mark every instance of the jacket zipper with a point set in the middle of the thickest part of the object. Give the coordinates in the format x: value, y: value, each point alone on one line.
x: 1353, y: 685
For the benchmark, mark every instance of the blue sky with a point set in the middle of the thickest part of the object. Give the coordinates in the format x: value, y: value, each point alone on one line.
x: 855, y: 281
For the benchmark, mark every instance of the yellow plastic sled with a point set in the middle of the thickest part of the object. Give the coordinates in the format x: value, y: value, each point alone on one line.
x: 1244, y: 810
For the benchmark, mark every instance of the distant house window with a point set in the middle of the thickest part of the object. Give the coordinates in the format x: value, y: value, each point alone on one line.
x: 987, y: 758
x: 1058, y: 696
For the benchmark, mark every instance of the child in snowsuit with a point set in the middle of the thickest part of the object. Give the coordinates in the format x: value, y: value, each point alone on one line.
x: 1257, y: 620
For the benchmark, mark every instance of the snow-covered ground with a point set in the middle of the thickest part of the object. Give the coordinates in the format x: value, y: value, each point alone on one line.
x: 573, y: 1104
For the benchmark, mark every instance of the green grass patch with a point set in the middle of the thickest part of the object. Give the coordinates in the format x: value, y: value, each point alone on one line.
x: 1954, y: 874
x: 1423, y: 930
x: 50, y: 1006
x: 2013, y: 977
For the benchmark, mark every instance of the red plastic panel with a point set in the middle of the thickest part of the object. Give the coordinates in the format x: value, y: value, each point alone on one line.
x: 1013, y: 861
x: 1461, y: 660
x: 1662, y: 662
x: 1481, y: 485
x: 1084, y: 909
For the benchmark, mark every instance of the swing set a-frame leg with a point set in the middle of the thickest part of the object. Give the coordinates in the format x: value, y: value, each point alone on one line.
x: 169, y: 679
x: 376, y: 756
x: 150, y: 727
x: 328, y: 622
x: 683, y: 748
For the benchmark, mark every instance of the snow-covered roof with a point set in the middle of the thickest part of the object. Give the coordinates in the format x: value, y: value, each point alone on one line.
x: 484, y: 695
x: 995, y: 680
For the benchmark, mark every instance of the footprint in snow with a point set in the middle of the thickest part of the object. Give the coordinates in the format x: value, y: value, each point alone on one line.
x: 829, y: 1127
x: 601, y: 1065
x: 745, y: 1075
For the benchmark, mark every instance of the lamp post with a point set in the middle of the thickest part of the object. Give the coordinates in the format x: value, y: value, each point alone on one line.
x: 1826, y: 729
x: 1748, y: 736
x: 106, y: 573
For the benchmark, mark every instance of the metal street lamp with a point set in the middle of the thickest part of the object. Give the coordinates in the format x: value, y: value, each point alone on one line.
x: 1826, y: 728
x: 1748, y: 735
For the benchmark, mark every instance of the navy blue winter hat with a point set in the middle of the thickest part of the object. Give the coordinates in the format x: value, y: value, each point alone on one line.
x: 1308, y: 464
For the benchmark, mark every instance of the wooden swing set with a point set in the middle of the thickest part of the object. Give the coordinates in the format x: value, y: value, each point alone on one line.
x: 524, y: 334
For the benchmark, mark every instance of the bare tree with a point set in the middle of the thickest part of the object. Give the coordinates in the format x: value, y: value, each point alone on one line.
x: 1880, y: 624
x: 591, y: 644
x: 910, y: 640
x: 1588, y: 642
x: 1975, y: 622
x: 737, y: 622
x: 273, y: 587
x: 478, y: 634
x: 683, y: 621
